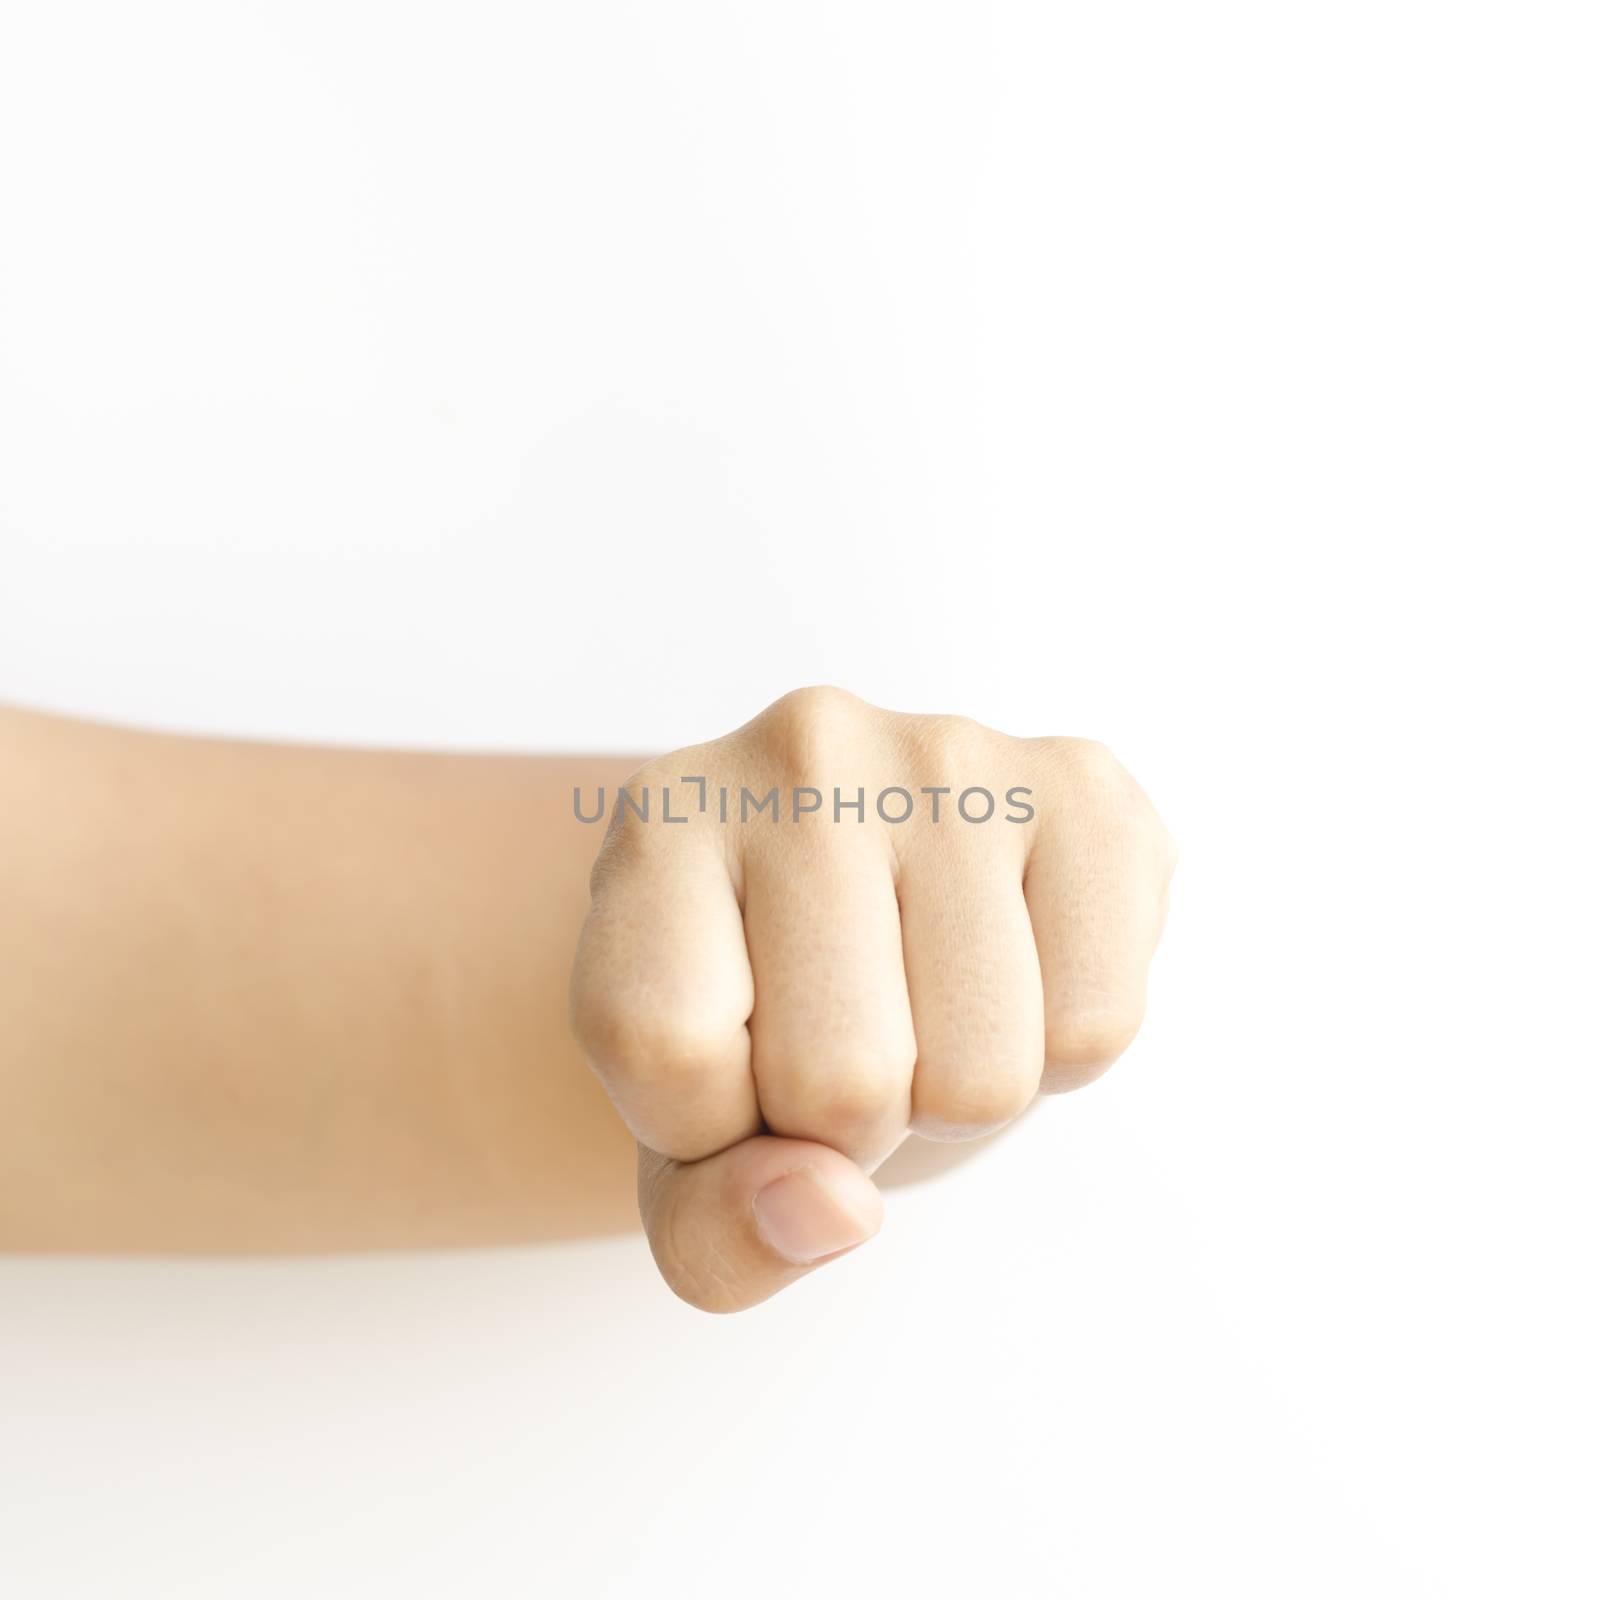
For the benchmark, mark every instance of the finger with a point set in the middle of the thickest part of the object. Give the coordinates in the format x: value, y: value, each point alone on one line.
x: 729, y: 1231
x: 976, y: 995
x: 661, y: 993
x: 832, y: 1046
x: 1095, y: 888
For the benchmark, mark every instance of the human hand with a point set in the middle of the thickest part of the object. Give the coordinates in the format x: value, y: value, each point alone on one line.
x: 838, y: 925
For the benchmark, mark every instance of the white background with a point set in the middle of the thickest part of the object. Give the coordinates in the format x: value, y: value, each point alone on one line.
x: 1216, y: 380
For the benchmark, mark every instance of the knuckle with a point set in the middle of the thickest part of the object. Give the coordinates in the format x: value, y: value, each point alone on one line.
x: 852, y: 1096
x: 1085, y: 766
x: 649, y: 812
x: 1120, y: 812
x: 1093, y: 762
x: 952, y: 747
x: 643, y: 1044
x: 968, y: 1107
x: 1080, y: 1043
x: 807, y: 723
x: 816, y: 703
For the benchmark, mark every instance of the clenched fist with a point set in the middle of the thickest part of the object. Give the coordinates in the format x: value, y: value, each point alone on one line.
x: 838, y: 925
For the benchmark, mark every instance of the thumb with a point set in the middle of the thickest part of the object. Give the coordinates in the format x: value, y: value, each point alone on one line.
x: 731, y: 1230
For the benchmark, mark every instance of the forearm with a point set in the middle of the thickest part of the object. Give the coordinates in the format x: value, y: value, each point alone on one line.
x: 259, y: 997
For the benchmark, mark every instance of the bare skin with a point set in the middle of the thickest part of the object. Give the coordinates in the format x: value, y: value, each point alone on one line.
x: 269, y: 998
x: 272, y: 998
x: 776, y: 1003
